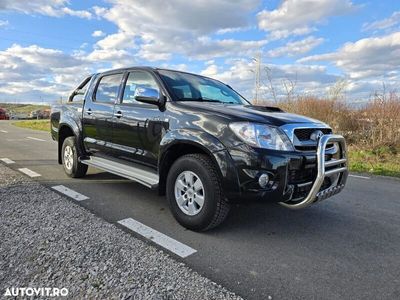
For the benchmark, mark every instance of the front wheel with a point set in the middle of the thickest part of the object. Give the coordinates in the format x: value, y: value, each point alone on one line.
x: 195, y: 194
x: 72, y: 167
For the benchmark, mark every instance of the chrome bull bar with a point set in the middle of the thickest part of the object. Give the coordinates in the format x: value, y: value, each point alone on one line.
x: 334, y: 166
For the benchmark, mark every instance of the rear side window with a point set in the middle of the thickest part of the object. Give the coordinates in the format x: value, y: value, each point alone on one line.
x: 108, y: 87
x: 137, y: 79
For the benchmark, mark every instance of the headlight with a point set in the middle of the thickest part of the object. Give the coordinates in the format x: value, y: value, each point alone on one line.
x: 262, y: 136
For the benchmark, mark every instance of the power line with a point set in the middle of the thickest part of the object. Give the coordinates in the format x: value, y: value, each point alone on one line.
x: 257, y: 76
x: 52, y: 45
x: 46, y: 36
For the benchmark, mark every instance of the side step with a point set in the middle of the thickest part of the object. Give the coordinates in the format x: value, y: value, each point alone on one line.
x: 138, y: 173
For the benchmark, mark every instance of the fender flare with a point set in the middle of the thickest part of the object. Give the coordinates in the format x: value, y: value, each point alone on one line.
x: 76, y: 130
x: 210, y: 145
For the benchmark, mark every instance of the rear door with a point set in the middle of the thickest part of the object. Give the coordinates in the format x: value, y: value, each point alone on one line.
x: 99, y: 112
x: 137, y: 126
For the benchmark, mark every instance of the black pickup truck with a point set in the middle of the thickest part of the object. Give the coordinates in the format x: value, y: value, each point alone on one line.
x: 198, y: 141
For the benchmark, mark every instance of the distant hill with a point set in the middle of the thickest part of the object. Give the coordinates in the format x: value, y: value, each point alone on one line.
x: 22, y: 108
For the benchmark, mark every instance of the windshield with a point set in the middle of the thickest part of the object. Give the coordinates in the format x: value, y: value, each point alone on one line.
x: 190, y: 87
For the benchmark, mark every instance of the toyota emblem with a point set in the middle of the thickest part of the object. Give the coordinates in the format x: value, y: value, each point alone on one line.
x: 316, y: 135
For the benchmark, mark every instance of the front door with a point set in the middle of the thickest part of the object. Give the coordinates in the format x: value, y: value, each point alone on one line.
x: 98, y: 114
x: 137, y: 126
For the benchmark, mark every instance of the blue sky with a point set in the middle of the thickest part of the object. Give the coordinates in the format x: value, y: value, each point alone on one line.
x: 312, y: 46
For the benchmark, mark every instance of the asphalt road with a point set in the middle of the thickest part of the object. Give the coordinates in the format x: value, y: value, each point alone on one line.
x: 347, y: 247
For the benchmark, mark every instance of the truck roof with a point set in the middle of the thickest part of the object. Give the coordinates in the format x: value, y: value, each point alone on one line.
x: 148, y: 68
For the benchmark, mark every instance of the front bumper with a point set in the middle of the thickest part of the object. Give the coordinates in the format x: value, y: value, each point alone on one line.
x: 325, y: 169
x: 297, y: 179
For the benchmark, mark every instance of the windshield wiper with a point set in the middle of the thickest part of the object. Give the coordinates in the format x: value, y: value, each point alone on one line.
x: 204, y: 100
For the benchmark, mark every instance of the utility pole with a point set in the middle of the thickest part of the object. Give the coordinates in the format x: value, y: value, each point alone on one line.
x: 257, y: 77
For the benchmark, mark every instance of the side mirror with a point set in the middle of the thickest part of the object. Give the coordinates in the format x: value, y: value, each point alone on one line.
x: 147, y: 95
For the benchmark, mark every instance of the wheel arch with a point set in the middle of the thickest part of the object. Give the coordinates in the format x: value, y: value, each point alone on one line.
x: 65, y: 130
x: 182, y: 142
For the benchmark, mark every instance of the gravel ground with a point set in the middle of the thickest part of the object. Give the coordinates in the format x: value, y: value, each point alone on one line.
x: 48, y: 241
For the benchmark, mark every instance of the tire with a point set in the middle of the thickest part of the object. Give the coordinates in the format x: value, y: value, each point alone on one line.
x: 69, y: 155
x: 215, y: 207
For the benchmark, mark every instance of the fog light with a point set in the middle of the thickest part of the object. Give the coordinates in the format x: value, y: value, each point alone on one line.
x: 263, y: 180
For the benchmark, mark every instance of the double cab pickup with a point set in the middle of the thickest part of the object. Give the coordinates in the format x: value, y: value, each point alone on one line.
x: 198, y: 142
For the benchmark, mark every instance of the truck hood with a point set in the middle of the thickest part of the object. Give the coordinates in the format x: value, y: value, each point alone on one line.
x: 251, y: 113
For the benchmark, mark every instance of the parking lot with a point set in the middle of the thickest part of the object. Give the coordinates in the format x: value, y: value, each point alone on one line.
x: 346, y: 247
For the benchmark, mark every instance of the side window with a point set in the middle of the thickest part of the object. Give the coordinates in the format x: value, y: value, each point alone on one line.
x: 107, y: 89
x: 137, y: 79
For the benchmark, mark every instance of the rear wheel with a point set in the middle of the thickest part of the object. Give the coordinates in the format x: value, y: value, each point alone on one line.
x: 72, y: 167
x: 195, y: 194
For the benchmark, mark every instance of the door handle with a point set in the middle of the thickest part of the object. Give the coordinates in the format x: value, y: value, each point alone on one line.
x: 89, y: 111
x: 118, y: 114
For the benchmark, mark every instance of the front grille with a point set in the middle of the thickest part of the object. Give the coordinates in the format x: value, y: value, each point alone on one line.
x: 301, y: 176
x: 301, y: 191
x: 304, y: 134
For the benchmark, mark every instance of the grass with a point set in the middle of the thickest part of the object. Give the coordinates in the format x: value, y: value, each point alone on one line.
x: 381, y: 161
x: 43, y: 125
x: 372, y: 131
x: 22, y: 108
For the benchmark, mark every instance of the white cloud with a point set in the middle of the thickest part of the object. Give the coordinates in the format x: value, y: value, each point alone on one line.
x: 374, y: 56
x: 296, y: 17
x: 180, y: 67
x: 4, y: 23
x: 54, y: 8
x: 119, y: 40
x: 207, y: 48
x: 114, y: 49
x: 387, y: 23
x: 117, y: 58
x: 36, y: 55
x: 313, y: 79
x: 98, y: 33
x: 33, y: 73
x: 177, y: 33
x: 296, y: 48
x: 233, y: 30
x: 76, y: 13
x: 285, y: 33
x: 211, y: 71
x: 180, y: 27
x: 198, y: 15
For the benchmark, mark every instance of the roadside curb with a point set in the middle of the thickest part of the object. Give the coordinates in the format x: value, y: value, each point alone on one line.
x: 49, y: 240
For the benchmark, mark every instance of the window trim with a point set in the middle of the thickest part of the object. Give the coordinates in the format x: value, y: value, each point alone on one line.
x: 94, y: 100
x: 125, y: 80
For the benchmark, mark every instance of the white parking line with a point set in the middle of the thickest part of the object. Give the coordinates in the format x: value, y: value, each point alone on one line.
x: 15, y: 140
x: 3, y: 131
x: 7, y: 161
x: 35, y: 139
x: 29, y: 172
x: 358, y: 176
x: 70, y: 193
x: 159, y: 238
